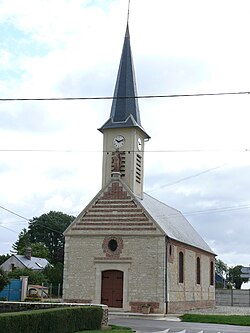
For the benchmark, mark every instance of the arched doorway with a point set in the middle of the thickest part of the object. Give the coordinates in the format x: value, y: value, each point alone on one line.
x: 112, y: 288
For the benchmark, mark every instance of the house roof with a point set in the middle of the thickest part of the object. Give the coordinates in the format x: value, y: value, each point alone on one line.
x: 125, y: 109
x: 35, y: 263
x: 173, y: 223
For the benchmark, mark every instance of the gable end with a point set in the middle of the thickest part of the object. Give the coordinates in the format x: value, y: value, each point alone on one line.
x: 115, y: 211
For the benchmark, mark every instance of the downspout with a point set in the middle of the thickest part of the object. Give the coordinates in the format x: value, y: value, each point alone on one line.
x: 166, y: 274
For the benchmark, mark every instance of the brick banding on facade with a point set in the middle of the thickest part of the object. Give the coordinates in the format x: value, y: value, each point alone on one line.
x: 137, y: 306
x: 114, y: 214
x: 115, y: 228
x: 113, y: 222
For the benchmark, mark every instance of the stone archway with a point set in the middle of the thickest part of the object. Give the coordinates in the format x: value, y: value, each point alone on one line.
x: 112, y: 288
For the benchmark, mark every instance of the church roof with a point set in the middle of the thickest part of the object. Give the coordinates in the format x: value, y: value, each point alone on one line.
x: 173, y: 223
x: 125, y: 109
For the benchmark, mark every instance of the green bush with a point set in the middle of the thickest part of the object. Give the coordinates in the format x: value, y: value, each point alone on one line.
x: 3, y: 299
x: 58, y: 320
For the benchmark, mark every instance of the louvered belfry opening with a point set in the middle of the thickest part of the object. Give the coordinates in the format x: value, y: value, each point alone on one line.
x: 138, y: 168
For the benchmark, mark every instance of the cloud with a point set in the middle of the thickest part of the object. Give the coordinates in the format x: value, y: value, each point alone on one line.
x: 216, y: 204
x: 72, y: 48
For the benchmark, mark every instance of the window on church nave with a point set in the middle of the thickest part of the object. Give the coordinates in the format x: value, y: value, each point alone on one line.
x: 198, y: 270
x: 211, y: 273
x: 181, y: 267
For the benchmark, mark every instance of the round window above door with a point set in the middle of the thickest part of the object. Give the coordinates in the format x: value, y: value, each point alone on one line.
x: 112, y: 246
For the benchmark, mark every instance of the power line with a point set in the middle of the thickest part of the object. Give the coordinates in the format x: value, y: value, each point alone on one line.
x: 11, y: 212
x: 25, y: 218
x: 187, y: 178
x: 188, y: 213
x: 125, y: 97
x: 217, y: 210
x: 131, y: 151
x: 9, y: 229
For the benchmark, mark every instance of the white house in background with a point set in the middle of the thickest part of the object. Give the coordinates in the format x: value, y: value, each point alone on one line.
x: 24, y: 261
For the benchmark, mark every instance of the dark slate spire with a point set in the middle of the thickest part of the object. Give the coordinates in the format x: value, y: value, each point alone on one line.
x: 125, y: 111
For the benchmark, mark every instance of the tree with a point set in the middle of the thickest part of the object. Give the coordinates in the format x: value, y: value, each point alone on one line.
x: 38, y: 249
x: 23, y: 241
x: 35, y: 277
x: 234, y: 276
x: 4, y: 280
x: 45, y: 236
x: 48, y: 229
x: 221, y: 271
x: 220, y: 267
x: 54, y: 275
x: 3, y: 258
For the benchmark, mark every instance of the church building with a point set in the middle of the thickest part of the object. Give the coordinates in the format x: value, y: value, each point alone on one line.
x: 126, y: 249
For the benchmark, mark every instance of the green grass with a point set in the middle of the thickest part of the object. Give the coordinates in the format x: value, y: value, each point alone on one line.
x: 217, y: 319
x: 114, y: 329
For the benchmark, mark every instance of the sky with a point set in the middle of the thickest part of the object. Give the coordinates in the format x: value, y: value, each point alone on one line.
x: 198, y: 157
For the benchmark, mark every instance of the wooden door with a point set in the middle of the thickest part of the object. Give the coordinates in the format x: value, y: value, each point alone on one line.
x: 112, y: 288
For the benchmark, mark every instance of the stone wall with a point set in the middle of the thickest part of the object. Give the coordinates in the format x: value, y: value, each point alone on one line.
x: 144, y: 279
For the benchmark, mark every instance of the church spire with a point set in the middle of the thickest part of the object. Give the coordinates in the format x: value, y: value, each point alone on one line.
x: 125, y: 109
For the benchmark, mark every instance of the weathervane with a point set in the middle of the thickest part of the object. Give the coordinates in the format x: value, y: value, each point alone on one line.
x: 128, y: 11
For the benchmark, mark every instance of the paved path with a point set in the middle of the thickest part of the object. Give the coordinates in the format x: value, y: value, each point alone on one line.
x: 163, y: 325
x: 172, y: 324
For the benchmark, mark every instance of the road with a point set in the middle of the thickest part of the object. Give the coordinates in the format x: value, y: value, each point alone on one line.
x: 164, y: 325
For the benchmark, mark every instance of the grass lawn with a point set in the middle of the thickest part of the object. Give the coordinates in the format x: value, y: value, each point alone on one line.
x: 114, y: 329
x: 217, y: 319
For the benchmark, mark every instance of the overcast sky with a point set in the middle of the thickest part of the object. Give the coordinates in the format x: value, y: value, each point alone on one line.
x: 198, y: 158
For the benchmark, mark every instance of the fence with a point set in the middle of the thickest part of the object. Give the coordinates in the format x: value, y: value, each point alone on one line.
x: 232, y: 297
x: 12, y: 292
x: 19, y: 289
x: 45, y: 291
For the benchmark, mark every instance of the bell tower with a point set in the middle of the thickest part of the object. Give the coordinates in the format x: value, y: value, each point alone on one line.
x: 123, y: 135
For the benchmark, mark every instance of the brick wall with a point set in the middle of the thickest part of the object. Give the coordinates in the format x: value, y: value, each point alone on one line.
x: 189, y: 294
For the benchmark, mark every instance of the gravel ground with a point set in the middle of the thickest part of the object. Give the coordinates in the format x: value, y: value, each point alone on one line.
x: 226, y: 310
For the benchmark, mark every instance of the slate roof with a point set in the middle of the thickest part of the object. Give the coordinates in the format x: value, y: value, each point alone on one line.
x: 125, y: 111
x: 173, y: 223
x: 35, y: 263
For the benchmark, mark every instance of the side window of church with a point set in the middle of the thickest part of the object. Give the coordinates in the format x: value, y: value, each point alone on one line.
x: 211, y: 273
x: 198, y: 270
x: 181, y: 267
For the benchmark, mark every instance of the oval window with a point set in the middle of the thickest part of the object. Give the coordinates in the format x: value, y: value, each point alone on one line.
x: 112, y: 245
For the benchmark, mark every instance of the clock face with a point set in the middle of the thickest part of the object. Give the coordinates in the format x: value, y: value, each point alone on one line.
x: 139, y: 143
x: 119, y: 141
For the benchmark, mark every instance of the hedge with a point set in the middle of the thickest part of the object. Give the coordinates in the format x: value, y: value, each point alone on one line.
x: 58, y: 320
